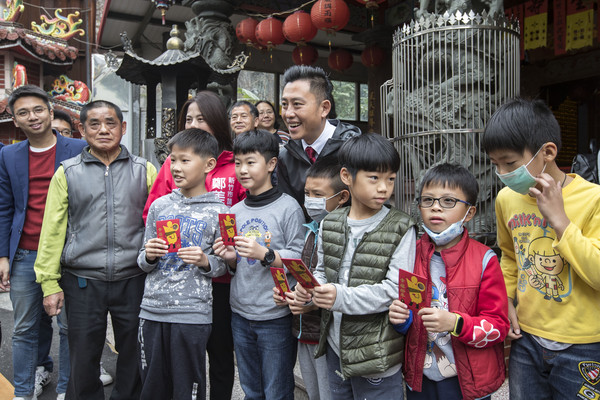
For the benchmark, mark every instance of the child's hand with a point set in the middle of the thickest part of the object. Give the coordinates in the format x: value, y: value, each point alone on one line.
x: 302, y: 296
x: 296, y: 306
x: 399, y: 312
x: 155, y: 248
x: 515, y: 330
x: 324, y: 296
x: 279, y: 301
x: 195, y: 256
x: 437, y: 320
x: 550, y: 202
x: 248, y: 247
x: 227, y: 253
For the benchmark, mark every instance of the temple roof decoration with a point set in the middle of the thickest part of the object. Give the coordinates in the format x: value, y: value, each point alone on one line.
x: 13, y: 10
x: 70, y: 91
x: 42, y: 47
x: 59, y: 27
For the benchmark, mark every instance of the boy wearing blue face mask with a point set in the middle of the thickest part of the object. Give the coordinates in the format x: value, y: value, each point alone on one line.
x: 466, y: 323
x: 324, y: 192
x: 548, y: 231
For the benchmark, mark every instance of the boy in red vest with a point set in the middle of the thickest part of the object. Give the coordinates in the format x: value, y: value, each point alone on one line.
x: 454, y: 347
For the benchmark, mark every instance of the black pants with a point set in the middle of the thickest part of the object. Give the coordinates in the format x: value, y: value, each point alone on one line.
x: 220, y: 345
x: 87, y: 303
x: 173, y: 360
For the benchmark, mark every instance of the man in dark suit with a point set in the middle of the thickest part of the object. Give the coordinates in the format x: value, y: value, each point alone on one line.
x: 25, y: 172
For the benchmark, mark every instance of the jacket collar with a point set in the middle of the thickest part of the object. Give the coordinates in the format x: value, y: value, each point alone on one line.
x: 87, y: 156
x: 450, y: 256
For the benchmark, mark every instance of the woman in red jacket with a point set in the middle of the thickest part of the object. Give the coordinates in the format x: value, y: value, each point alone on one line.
x: 206, y: 111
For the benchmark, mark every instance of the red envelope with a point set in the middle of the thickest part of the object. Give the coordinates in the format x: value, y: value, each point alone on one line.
x: 228, y: 228
x: 301, y: 272
x: 169, y: 231
x: 413, y: 290
x: 280, y: 280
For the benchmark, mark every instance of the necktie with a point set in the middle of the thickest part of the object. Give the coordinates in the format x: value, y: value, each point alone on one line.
x: 311, y: 153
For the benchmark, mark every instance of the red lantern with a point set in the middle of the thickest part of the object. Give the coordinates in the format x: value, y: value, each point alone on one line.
x: 371, y: 3
x: 245, y: 31
x: 269, y: 32
x: 305, y: 55
x: 330, y: 15
x: 372, y: 56
x: 340, y: 60
x: 298, y: 28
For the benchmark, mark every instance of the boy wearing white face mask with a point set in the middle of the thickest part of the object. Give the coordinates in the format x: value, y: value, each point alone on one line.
x: 324, y: 192
x: 548, y: 231
x: 464, y: 328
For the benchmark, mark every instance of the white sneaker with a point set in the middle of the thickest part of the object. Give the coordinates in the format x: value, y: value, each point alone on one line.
x: 61, y: 396
x: 105, y: 376
x: 34, y: 397
x: 42, y: 378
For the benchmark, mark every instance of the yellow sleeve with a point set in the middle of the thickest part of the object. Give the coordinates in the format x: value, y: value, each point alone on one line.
x: 52, y: 235
x: 150, y: 175
x: 508, y: 262
x: 581, y: 247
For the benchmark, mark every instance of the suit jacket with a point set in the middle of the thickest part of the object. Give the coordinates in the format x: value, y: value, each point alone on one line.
x: 14, y: 187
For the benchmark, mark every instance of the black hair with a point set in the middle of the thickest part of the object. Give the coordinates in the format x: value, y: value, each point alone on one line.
x: 214, y: 114
x: 276, y: 115
x: 320, y: 85
x: 64, y: 116
x: 259, y: 140
x: 454, y: 176
x: 200, y: 142
x: 99, y: 104
x: 328, y: 167
x: 519, y: 125
x: 368, y: 152
x: 239, y: 103
x: 27, y: 91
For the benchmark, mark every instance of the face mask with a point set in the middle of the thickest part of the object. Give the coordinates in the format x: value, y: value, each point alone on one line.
x: 520, y: 180
x: 316, y: 207
x: 448, y: 234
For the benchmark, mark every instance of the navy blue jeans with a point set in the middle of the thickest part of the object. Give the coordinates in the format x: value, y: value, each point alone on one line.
x: 536, y: 372
x: 32, y: 334
x: 266, y: 354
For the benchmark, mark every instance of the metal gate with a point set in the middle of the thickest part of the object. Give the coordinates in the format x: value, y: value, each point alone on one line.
x: 450, y: 73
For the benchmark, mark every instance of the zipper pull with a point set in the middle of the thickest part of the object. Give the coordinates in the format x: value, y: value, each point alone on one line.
x: 106, y: 171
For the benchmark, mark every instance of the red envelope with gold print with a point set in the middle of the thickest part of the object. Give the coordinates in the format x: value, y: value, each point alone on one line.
x: 228, y: 228
x: 280, y: 280
x: 413, y: 290
x: 169, y: 231
x: 300, y: 271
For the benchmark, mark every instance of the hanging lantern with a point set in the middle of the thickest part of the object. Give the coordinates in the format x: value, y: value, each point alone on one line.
x: 372, y: 56
x: 245, y: 31
x: 340, y: 60
x: 163, y: 6
x: 298, y: 28
x: 330, y: 15
x: 371, y: 3
x: 269, y: 32
x: 305, y: 55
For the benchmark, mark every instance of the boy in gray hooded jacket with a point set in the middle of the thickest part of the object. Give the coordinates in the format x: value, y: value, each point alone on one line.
x: 176, y: 310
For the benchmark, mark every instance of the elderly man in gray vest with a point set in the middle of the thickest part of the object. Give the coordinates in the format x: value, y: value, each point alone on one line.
x: 88, y: 249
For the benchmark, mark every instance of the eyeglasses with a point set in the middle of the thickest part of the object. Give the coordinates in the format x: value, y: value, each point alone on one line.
x: 66, y: 132
x: 25, y: 113
x: 267, y: 112
x: 445, y: 202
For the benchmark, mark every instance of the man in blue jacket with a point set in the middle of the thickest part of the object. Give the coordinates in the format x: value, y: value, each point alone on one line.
x: 25, y: 172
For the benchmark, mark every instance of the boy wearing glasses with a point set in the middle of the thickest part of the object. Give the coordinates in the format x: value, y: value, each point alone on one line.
x: 454, y: 348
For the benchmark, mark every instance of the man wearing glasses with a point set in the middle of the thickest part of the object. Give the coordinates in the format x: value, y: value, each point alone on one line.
x: 25, y: 172
x: 63, y: 123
